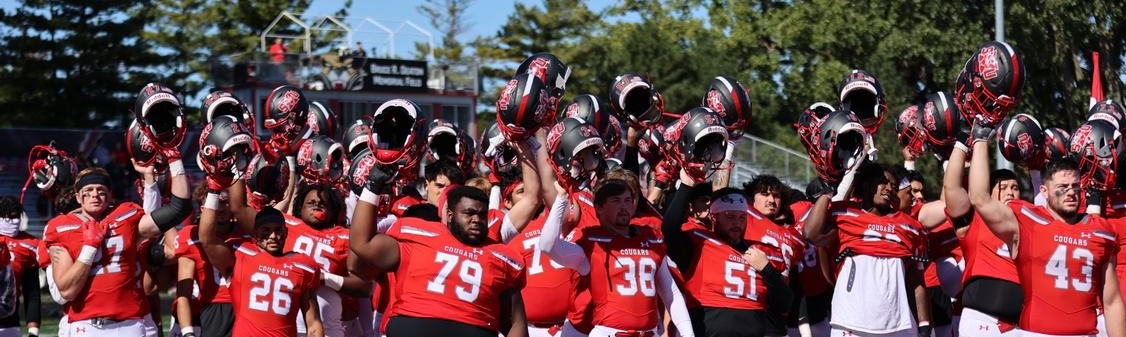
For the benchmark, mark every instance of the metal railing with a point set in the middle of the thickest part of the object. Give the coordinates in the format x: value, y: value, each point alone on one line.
x: 755, y: 156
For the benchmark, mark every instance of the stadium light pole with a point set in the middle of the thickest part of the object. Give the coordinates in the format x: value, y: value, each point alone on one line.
x: 999, y: 35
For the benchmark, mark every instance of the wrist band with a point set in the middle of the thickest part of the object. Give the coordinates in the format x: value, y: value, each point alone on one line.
x: 186, y: 330
x: 33, y: 331
x: 176, y: 168
x: 334, y: 281
x: 86, y: 256
x: 368, y: 197
x: 211, y: 202
x: 909, y: 165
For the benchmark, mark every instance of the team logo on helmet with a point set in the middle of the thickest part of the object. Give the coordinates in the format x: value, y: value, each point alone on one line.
x: 987, y: 63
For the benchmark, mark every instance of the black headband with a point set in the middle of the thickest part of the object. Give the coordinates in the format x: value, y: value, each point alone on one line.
x: 267, y: 216
x: 93, y: 178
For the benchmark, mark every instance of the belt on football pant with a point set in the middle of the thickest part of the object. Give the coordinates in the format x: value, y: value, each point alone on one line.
x: 634, y: 333
x: 552, y: 327
x: 99, y: 322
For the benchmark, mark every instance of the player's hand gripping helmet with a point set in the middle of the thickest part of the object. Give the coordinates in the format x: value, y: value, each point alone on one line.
x: 552, y: 72
x: 1095, y: 145
x: 286, y: 117
x: 225, y: 147
x: 731, y: 101
x: 634, y: 100
x: 576, y: 153
x: 523, y: 106
x: 698, y: 141
x: 990, y: 84
x: 1020, y: 140
x: 398, y: 136
x: 160, y: 116
x: 862, y: 94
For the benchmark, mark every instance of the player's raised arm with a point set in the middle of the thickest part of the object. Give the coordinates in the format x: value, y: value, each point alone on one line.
x: 998, y: 216
x: 240, y: 206
x: 953, y: 191
x: 523, y: 211
x: 180, y: 206
x: 378, y: 250
x: 221, y: 256
x: 562, y: 251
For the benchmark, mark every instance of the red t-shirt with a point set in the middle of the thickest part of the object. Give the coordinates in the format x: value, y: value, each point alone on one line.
x: 267, y: 290
x: 719, y: 277
x: 622, y: 278
x: 440, y: 277
x: 115, y: 278
x: 23, y: 248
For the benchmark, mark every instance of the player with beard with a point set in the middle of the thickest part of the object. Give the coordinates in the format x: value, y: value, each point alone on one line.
x: 731, y: 282
x: 314, y: 230
x: 771, y: 228
x: 449, y: 279
x: 878, y: 244
x: 1064, y: 258
x: 624, y: 264
x: 94, y: 255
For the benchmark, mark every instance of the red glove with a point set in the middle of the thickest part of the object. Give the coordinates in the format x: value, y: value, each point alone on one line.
x: 93, y: 233
x: 494, y: 178
x: 664, y: 173
x: 220, y: 181
x: 170, y: 154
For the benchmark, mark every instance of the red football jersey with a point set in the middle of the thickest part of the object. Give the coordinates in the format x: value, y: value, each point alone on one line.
x: 115, y: 278
x: 776, y: 241
x: 623, y: 276
x: 1058, y: 264
x: 986, y: 255
x: 23, y: 248
x: 1115, y: 205
x: 327, y: 247
x: 440, y: 277
x: 496, y: 221
x: 212, y: 286
x: 719, y: 277
x: 893, y: 235
x: 942, y: 242
x: 545, y: 300
x: 813, y: 281
x: 267, y: 290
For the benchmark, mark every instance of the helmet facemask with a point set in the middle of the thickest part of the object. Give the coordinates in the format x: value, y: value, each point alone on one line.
x: 707, y: 155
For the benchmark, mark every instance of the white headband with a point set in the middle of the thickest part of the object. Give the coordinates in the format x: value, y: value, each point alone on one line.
x: 730, y: 202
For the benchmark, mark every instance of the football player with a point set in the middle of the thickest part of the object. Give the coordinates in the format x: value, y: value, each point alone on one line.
x: 25, y: 269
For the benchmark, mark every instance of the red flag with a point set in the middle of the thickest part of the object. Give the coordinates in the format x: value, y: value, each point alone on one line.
x: 1096, y: 81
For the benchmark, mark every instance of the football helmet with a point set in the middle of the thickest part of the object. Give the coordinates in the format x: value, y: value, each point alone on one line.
x: 222, y: 102
x: 698, y: 141
x: 446, y: 142
x: 51, y: 169
x: 141, y: 147
x: 909, y: 132
x: 588, y: 108
x: 286, y: 117
x: 990, y: 84
x: 841, y: 140
x: 320, y: 160
x: 730, y: 100
x: 1110, y: 111
x: 939, y: 119
x: 1020, y: 140
x: 322, y: 121
x: 497, y: 154
x: 1055, y: 143
x: 652, y: 145
x: 522, y: 107
x: 807, y: 124
x: 266, y: 182
x: 634, y: 99
x: 160, y: 115
x: 552, y: 72
x: 1095, y: 145
x: 398, y: 134
x: 355, y: 137
x: 862, y: 94
x: 225, y: 147
x: 576, y: 152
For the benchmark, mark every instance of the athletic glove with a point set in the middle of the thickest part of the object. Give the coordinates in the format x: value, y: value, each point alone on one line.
x: 819, y: 187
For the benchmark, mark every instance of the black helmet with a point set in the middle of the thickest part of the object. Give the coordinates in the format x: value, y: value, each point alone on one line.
x: 320, y: 160
x: 1110, y: 111
x: 497, y: 154
x: 634, y: 99
x: 806, y: 127
x: 940, y: 120
x: 588, y: 108
x: 651, y: 145
x: 446, y: 142
x: 358, y: 170
x: 51, y: 169
x: 566, y: 143
x: 551, y: 71
x: 990, y: 84
x: 266, y: 182
x: 840, y: 138
x: 1020, y: 140
x: 1095, y: 145
x: 225, y: 147
x: 908, y: 131
x: 322, y: 121
x: 730, y: 100
x: 862, y: 94
x: 398, y: 134
x: 140, y: 147
x: 286, y: 115
x: 160, y: 115
x: 698, y: 140
x: 355, y: 137
x: 222, y: 102
x: 1055, y: 144
x: 523, y: 106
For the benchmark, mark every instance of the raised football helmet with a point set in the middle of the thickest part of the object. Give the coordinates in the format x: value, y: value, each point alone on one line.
x: 355, y: 137
x: 320, y: 160
x: 1110, y: 111
x: 908, y: 131
x: 266, y: 182
x: 552, y: 72
x: 523, y: 106
x: 446, y: 142
x: 286, y: 117
x: 862, y: 94
x: 576, y: 152
x: 1055, y: 143
x: 497, y: 154
x: 698, y: 141
x: 652, y: 144
x: 940, y: 120
x: 730, y: 100
x: 222, y: 102
x: 398, y: 136
x: 141, y: 147
x: 634, y: 99
x: 841, y: 140
x: 990, y: 84
x: 225, y: 147
x: 1095, y: 145
x: 51, y: 169
x: 322, y: 121
x: 590, y: 109
x: 1020, y: 140
x: 807, y: 124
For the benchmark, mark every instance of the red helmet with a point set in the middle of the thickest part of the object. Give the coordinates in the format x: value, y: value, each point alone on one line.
x: 141, y: 147
x: 523, y: 106
x: 266, y: 182
x: 730, y: 100
x: 552, y: 72
x: 322, y: 121
x: 940, y: 120
x: 320, y: 160
x: 225, y: 147
x: 698, y: 141
x: 497, y: 154
x: 909, y: 132
x: 634, y: 99
x: 1020, y: 140
x: 286, y: 116
x: 1095, y: 145
x: 160, y: 115
x: 990, y: 84
x: 398, y: 134
x: 567, y: 143
x: 51, y: 169
x: 862, y: 94
x: 1055, y: 144
x: 222, y: 102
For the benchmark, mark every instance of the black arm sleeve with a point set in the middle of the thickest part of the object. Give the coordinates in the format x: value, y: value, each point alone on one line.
x: 172, y: 214
x: 29, y: 286
x: 678, y: 244
x: 779, y: 297
x: 963, y: 220
x: 630, y: 163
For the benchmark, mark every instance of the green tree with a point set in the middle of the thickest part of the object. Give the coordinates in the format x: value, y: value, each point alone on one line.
x: 72, y: 63
x: 449, y: 17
